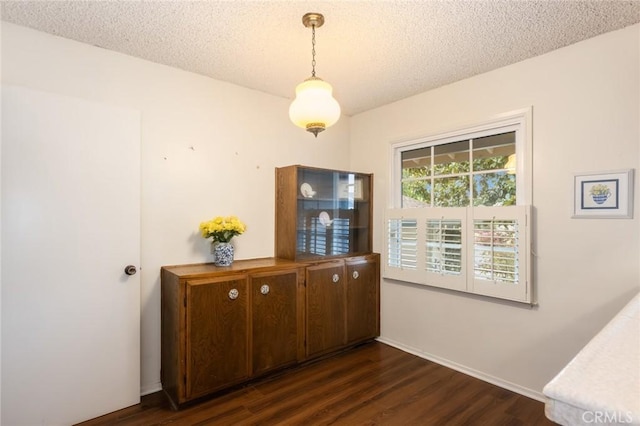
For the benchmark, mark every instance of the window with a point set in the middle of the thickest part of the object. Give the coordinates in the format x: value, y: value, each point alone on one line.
x: 475, y: 171
x: 460, y: 215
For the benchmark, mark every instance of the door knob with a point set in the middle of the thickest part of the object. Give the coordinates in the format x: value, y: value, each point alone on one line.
x: 130, y: 270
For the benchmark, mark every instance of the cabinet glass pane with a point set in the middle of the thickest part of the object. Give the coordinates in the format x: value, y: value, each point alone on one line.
x: 332, y: 213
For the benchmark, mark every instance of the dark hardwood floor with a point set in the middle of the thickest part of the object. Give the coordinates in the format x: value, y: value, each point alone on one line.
x: 373, y: 384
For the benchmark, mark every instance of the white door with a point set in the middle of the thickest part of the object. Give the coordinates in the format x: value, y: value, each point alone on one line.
x: 70, y: 224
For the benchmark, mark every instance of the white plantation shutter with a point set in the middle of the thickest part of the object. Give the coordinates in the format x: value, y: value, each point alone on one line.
x: 445, y: 247
x: 495, y: 250
x: 501, y: 252
x: 481, y: 250
x: 402, y: 245
x: 426, y: 246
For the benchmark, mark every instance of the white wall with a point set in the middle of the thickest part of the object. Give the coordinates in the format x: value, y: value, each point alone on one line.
x: 208, y: 148
x: 586, y: 113
x: 586, y: 118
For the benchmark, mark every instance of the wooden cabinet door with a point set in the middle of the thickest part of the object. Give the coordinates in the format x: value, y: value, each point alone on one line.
x: 363, y: 319
x: 326, y: 304
x: 216, y: 333
x: 275, y: 333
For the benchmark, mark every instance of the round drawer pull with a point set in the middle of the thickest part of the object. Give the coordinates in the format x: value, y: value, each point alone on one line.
x: 265, y: 289
x: 335, y: 278
x: 355, y: 275
x: 233, y: 294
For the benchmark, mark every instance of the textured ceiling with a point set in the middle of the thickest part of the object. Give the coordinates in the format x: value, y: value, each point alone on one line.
x: 372, y: 52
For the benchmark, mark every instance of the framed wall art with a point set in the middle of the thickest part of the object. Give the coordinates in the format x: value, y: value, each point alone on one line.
x: 603, y: 195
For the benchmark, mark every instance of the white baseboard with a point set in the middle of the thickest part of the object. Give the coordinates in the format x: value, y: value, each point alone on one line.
x: 151, y: 388
x: 529, y: 393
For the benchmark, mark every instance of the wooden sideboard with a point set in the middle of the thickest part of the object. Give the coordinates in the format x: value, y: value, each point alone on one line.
x: 223, y: 326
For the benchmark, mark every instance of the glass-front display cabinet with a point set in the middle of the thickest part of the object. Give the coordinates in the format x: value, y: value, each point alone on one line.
x: 322, y: 213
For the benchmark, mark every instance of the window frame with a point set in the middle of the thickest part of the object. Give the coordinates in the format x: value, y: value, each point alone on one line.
x: 518, y: 121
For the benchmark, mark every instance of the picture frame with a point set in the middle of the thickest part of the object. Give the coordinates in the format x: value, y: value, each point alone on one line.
x: 603, y: 195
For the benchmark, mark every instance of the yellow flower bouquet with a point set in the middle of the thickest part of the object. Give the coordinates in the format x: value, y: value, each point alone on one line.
x: 222, y: 229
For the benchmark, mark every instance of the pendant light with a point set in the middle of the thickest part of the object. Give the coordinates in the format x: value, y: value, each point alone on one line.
x: 314, y: 107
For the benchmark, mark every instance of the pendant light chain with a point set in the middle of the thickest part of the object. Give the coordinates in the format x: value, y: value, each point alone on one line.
x: 313, y: 50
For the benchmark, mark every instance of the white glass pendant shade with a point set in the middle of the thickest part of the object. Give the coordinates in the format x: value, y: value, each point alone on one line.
x: 314, y: 107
